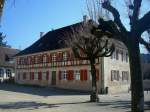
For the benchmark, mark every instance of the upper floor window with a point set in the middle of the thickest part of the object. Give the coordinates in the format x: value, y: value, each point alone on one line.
x: 126, y: 57
x: 65, y: 56
x: 117, y: 54
x: 53, y: 57
x: 113, y: 56
x: 115, y: 75
x: 44, y: 58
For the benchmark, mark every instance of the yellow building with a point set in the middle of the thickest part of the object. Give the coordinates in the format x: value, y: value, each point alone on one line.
x: 48, y: 62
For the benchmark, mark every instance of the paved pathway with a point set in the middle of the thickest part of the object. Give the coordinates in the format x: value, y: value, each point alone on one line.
x: 15, y: 98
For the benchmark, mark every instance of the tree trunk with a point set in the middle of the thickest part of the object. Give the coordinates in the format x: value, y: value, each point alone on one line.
x: 94, y: 94
x: 137, y: 93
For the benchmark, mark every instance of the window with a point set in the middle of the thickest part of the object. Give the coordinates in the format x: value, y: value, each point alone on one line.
x: 77, y: 74
x: 125, y: 75
x: 8, y: 73
x: 126, y: 57
x: 122, y: 55
x: 54, y: 57
x: 1, y: 72
x: 44, y: 75
x: 24, y: 76
x: 36, y: 76
x: 64, y: 75
x: 45, y: 58
x: 115, y: 75
x: 65, y: 56
x: 113, y: 56
x: 117, y: 54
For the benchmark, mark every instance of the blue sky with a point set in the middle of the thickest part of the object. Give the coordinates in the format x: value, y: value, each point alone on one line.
x: 23, y: 20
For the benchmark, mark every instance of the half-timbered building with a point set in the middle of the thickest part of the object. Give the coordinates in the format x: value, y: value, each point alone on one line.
x: 47, y: 62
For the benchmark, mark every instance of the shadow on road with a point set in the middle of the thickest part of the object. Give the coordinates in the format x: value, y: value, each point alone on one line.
x: 33, y: 105
x: 123, y: 104
x: 40, y: 91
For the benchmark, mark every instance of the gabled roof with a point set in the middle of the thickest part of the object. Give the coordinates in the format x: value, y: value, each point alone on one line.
x: 50, y: 41
x: 6, y: 55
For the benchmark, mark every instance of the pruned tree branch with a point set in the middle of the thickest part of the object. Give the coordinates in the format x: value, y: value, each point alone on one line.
x: 143, y: 24
x: 106, y: 5
x: 146, y: 44
x: 136, y: 10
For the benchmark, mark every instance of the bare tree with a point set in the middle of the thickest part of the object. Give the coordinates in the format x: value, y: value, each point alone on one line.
x: 1, y: 6
x: 131, y: 39
x: 87, y: 46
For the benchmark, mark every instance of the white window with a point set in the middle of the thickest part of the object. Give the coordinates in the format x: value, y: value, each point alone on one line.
x: 44, y: 59
x: 44, y: 75
x: 8, y: 73
x: 35, y: 75
x: 65, y: 56
x: 54, y: 57
x: 77, y: 74
x: 90, y: 75
x: 64, y: 75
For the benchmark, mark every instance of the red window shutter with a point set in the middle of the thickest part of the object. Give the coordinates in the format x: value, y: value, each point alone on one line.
x: 59, y: 56
x: 85, y: 74
x: 68, y: 75
x: 39, y: 75
x: 59, y: 75
x: 47, y: 58
x: 68, y: 55
x: 81, y: 74
x: 71, y: 75
x: 47, y: 75
x: 32, y: 75
x: 97, y: 74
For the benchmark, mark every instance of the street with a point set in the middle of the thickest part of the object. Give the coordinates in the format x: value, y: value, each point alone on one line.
x: 17, y: 98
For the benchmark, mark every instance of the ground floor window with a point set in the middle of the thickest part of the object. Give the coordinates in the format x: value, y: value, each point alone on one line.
x: 8, y: 73
x: 77, y: 75
x: 1, y: 72
x: 64, y: 75
x: 115, y: 75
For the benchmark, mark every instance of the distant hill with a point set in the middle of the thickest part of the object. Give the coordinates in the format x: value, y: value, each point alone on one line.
x: 145, y: 58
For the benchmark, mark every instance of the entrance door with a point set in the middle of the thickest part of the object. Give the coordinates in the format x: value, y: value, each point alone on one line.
x: 53, y: 77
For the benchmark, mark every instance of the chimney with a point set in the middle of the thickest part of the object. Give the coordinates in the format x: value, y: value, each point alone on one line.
x: 85, y: 18
x: 41, y: 34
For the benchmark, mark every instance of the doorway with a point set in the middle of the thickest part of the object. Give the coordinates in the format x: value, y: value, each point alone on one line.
x: 53, y: 77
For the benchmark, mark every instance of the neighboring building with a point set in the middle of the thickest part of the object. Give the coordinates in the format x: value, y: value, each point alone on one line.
x: 48, y: 62
x: 7, y: 64
x: 145, y: 61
